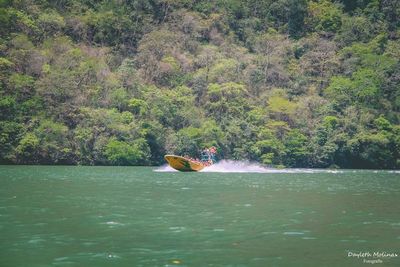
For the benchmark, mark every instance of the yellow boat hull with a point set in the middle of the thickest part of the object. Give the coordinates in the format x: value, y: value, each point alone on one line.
x: 182, y: 164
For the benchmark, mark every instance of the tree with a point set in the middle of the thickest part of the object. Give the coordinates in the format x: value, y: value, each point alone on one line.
x: 319, y: 61
x: 324, y: 16
x: 310, y: 83
x: 297, y: 14
x: 9, y: 139
x: 273, y: 48
x: 27, y: 149
x: 226, y: 100
x: 50, y: 23
x: 125, y: 153
x: 269, y: 149
x: 296, y: 151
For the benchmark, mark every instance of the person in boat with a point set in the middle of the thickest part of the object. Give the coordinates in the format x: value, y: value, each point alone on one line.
x: 208, y: 156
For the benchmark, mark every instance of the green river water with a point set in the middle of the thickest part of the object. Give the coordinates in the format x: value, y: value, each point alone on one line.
x: 136, y: 216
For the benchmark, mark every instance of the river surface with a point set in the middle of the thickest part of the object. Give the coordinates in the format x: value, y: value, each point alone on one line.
x: 137, y: 216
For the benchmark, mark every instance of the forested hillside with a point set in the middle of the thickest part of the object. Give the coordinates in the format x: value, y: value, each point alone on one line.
x: 298, y: 83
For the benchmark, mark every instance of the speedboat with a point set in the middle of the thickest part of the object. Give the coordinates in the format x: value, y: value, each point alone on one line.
x: 187, y: 164
x: 184, y: 164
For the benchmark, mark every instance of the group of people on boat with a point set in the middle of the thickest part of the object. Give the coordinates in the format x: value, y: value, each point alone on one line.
x: 207, y: 156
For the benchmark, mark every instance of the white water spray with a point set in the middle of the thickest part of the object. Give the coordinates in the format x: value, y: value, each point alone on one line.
x: 236, y: 166
x: 165, y: 168
x: 231, y: 166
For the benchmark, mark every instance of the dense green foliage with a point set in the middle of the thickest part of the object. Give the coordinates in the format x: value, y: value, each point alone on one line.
x: 298, y: 83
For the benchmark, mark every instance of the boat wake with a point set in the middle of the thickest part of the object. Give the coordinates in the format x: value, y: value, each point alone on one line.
x: 232, y: 166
